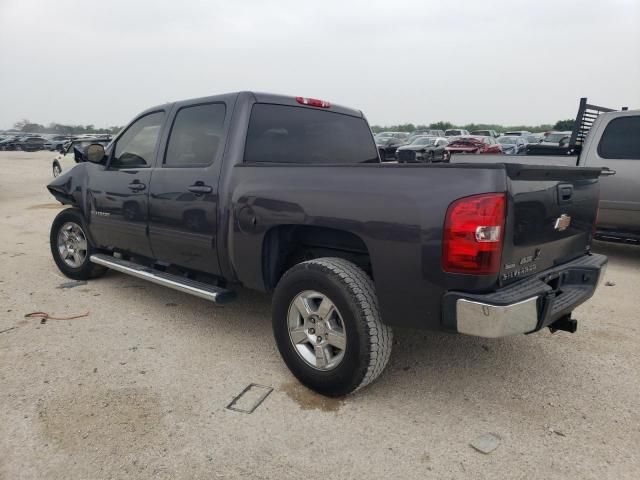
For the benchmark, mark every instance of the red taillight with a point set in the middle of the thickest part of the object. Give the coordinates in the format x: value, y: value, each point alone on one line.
x: 473, y: 234
x: 313, y: 102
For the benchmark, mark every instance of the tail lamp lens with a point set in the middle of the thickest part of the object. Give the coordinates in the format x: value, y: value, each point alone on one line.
x: 473, y: 234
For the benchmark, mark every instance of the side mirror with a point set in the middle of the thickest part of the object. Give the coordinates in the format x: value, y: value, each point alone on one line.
x: 94, y: 153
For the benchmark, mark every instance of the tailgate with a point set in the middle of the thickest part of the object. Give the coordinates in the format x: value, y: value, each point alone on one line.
x: 550, y: 217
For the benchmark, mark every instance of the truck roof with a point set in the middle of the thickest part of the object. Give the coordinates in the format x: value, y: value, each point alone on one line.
x: 262, y: 97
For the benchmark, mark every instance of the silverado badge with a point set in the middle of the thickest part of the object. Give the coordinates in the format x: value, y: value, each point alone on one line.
x: 562, y: 222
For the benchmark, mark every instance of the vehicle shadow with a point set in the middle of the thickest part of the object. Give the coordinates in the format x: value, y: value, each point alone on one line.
x: 425, y: 366
x: 434, y: 366
x: 620, y: 252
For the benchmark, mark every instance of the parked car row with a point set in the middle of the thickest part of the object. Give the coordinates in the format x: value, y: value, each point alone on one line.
x: 35, y: 142
x: 438, y: 145
x: 26, y: 143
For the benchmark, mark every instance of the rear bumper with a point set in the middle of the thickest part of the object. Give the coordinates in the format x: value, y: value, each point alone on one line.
x: 527, y: 305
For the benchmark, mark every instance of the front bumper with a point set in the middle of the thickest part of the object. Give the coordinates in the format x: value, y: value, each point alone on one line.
x: 527, y: 305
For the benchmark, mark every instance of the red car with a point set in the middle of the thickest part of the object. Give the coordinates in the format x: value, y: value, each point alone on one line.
x: 472, y: 144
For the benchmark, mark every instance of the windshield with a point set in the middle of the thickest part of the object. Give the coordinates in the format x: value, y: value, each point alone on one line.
x: 507, y: 140
x: 423, y: 141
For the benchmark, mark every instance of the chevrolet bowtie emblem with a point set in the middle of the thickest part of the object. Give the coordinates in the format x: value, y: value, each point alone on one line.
x: 562, y: 222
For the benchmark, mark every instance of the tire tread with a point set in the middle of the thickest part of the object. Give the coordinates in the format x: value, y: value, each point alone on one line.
x: 362, y: 289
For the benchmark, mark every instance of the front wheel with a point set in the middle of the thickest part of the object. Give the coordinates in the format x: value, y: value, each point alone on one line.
x: 57, y: 170
x: 327, y: 326
x: 71, y: 247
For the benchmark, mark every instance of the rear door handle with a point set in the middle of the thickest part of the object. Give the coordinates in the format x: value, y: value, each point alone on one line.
x: 136, y: 186
x: 200, y: 188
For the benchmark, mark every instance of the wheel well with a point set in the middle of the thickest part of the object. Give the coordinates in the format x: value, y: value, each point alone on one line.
x: 288, y: 245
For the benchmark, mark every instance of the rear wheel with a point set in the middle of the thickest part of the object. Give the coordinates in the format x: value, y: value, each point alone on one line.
x: 327, y: 326
x: 57, y: 170
x: 71, y: 247
x: 383, y: 156
x: 431, y: 156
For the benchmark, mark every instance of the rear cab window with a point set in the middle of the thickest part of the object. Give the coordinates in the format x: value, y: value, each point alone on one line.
x: 300, y: 135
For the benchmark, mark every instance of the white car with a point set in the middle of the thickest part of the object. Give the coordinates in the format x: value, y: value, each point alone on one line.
x: 72, y: 154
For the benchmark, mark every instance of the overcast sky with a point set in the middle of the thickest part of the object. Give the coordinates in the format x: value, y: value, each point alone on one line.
x: 510, y: 62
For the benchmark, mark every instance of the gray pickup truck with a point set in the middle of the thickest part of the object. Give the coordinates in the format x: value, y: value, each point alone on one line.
x: 608, y: 139
x: 288, y: 195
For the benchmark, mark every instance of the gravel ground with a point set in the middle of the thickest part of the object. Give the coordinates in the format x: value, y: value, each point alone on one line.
x: 138, y: 388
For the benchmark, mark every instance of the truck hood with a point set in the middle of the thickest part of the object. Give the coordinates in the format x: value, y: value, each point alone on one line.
x: 67, y: 188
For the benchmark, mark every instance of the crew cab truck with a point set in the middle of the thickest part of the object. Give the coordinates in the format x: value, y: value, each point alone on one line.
x: 288, y: 195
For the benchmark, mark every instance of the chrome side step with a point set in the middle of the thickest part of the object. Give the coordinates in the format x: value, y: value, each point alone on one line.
x: 193, y: 287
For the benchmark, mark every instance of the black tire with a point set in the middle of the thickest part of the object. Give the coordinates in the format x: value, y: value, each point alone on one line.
x: 85, y: 270
x: 57, y: 170
x: 368, y: 340
x: 431, y: 156
x: 383, y: 155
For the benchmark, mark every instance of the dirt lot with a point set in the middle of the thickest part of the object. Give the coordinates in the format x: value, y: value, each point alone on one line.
x: 138, y: 388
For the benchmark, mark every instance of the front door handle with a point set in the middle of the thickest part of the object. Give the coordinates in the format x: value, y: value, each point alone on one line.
x: 200, y: 188
x: 137, y: 186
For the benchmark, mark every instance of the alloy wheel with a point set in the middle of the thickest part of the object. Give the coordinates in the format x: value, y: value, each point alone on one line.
x: 316, y: 330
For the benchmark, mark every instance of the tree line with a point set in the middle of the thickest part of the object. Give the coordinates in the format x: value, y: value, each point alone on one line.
x: 27, y: 126
x: 563, y: 125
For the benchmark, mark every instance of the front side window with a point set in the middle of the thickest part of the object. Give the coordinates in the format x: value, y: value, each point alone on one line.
x: 137, y: 146
x: 196, y: 136
x: 621, y: 139
x: 284, y: 134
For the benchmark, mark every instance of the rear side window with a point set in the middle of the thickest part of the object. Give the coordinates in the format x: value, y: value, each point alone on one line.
x: 196, y: 136
x: 283, y: 134
x: 621, y: 139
